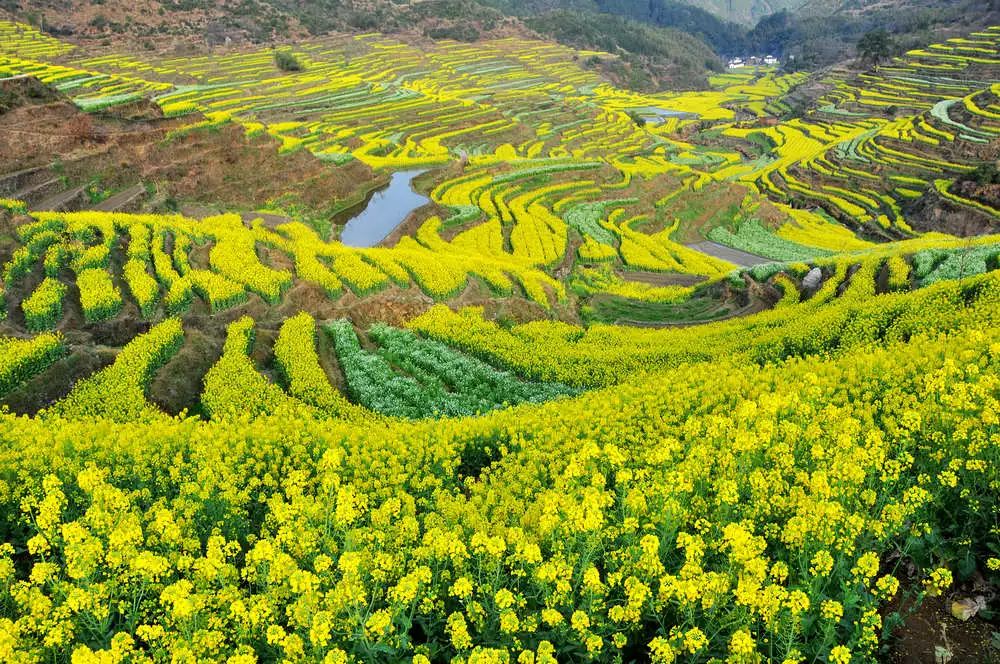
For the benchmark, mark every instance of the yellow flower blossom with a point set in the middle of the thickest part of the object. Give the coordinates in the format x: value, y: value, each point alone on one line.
x: 461, y: 588
x: 822, y: 563
x: 832, y: 610
x: 938, y: 581
x: 840, y: 655
x: 742, y: 647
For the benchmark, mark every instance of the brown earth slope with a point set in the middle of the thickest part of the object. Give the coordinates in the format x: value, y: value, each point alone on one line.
x: 53, y: 150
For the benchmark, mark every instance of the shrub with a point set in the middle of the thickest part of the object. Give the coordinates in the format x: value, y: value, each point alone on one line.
x: 286, y: 61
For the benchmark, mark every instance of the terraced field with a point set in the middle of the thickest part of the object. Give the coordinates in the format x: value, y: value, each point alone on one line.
x: 699, y: 376
x: 545, y: 147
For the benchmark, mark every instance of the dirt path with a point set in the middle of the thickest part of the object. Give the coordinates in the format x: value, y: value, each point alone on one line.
x: 741, y: 258
x: 123, y: 199
x: 661, y: 278
x: 754, y: 307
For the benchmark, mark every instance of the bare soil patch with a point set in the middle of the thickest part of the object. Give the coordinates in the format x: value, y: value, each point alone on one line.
x: 930, y: 626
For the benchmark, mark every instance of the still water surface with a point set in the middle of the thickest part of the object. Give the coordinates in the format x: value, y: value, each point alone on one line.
x: 386, y: 210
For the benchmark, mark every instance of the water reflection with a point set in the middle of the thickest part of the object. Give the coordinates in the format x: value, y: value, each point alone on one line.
x: 386, y: 210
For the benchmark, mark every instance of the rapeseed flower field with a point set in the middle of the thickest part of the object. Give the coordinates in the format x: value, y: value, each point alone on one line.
x: 667, y: 377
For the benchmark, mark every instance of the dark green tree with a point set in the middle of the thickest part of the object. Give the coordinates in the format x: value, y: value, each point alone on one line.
x: 875, y: 47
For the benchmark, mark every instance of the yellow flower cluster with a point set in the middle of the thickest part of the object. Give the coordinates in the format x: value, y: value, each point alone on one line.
x: 118, y: 392
x: 43, y: 308
x: 22, y: 358
x: 604, y: 354
x: 295, y: 353
x: 716, y: 507
x: 144, y: 287
x: 234, y: 257
x: 99, y: 296
x: 233, y: 387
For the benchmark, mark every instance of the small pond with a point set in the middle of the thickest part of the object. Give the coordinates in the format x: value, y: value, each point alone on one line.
x: 385, y: 210
x: 658, y: 115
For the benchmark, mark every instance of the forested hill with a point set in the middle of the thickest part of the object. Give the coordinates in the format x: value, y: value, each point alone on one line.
x: 649, y: 57
x: 744, y: 12
x: 723, y: 36
x: 823, y: 32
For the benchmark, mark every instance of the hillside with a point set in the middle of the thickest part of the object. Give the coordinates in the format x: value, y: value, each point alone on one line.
x: 651, y: 59
x: 475, y: 340
x: 663, y: 55
x: 746, y: 12
x: 213, y: 23
x: 816, y: 33
x: 723, y: 36
x: 927, y: 8
x: 646, y: 57
x: 741, y: 12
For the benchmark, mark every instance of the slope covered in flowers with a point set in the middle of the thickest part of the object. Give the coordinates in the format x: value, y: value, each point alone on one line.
x: 741, y: 508
x: 362, y: 467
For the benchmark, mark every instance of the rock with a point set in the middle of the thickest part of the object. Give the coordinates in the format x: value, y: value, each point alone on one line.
x: 812, y: 280
x: 965, y: 609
